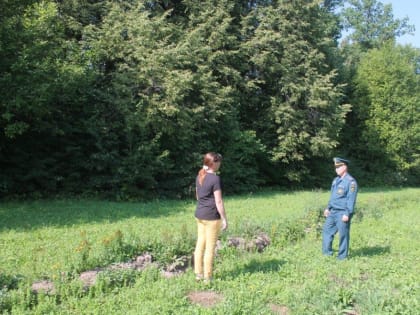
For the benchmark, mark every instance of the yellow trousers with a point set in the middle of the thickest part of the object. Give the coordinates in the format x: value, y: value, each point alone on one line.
x: 207, y: 234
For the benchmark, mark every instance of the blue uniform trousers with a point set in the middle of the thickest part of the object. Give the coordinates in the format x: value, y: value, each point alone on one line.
x: 334, y: 223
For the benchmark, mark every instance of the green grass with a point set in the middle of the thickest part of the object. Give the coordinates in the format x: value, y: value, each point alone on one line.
x: 58, y: 239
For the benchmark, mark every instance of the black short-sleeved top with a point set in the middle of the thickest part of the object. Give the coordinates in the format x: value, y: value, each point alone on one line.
x: 206, y: 205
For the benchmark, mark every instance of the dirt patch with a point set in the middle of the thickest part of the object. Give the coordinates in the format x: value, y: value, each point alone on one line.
x: 139, y: 263
x: 205, y: 298
x: 44, y: 286
x: 279, y: 309
x: 88, y: 278
x: 259, y: 243
x: 351, y: 312
x: 178, y: 267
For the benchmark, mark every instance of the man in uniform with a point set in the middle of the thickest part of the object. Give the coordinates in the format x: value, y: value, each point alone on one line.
x: 339, y: 210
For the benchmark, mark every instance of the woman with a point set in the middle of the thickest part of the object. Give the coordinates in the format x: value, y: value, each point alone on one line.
x: 210, y: 215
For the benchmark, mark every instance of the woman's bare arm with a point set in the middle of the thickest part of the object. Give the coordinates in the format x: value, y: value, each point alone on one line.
x: 221, y: 208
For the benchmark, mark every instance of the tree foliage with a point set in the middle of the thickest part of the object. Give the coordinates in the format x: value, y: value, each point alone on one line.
x: 371, y: 23
x: 124, y: 97
x: 389, y: 79
x: 289, y: 71
x: 373, y: 92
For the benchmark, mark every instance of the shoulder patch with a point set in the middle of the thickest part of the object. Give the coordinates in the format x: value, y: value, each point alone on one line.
x: 353, y: 186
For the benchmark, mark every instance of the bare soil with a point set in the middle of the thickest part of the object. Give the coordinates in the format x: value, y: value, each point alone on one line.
x: 205, y: 298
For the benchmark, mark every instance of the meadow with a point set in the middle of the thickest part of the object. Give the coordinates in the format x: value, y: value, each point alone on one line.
x: 57, y: 240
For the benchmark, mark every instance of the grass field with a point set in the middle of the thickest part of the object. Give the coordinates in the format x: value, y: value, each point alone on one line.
x: 57, y: 240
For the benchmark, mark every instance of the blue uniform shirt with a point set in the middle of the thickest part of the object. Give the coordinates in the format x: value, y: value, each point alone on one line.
x: 343, y: 194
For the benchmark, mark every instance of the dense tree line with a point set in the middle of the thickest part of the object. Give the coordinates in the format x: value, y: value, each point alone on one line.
x: 122, y: 98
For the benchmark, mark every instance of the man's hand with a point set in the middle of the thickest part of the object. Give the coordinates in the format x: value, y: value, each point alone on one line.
x: 345, y: 218
x: 326, y: 212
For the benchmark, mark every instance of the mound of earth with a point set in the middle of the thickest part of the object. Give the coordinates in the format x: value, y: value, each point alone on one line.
x: 259, y: 243
x: 44, y: 286
x: 279, y: 309
x: 205, y: 298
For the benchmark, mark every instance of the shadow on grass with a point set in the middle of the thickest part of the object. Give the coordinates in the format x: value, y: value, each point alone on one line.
x: 370, y: 251
x: 29, y: 215
x: 272, y: 265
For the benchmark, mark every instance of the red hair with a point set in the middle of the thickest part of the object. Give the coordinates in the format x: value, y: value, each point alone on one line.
x: 208, y: 160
